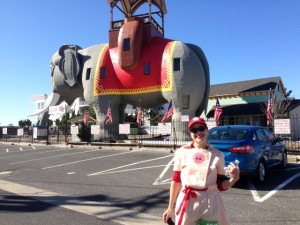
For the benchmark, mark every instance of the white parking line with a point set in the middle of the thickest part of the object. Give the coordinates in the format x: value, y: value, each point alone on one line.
x: 54, y: 156
x: 5, y: 172
x: 131, y: 164
x: 14, y: 156
x: 279, y: 187
x: 21, y: 149
x: 158, y: 180
x: 139, y: 168
x: 84, y: 160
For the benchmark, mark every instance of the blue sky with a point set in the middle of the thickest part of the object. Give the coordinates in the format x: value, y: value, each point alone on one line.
x: 242, y: 40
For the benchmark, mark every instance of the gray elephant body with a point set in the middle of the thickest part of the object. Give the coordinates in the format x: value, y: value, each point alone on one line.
x: 73, y: 76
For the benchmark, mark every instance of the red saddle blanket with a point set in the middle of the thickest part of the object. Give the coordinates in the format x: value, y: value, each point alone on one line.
x: 158, y: 54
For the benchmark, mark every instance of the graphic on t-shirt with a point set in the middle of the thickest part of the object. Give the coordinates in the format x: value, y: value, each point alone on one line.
x: 199, y: 158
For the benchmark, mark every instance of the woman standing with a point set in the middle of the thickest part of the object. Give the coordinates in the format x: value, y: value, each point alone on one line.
x: 199, y: 173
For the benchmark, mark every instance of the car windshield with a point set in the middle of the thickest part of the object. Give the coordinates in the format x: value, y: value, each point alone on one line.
x: 227, y: 133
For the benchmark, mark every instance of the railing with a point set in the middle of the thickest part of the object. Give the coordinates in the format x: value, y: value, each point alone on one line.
x: 141, y: 137
x: 293, y: 147
x: 115, y: 25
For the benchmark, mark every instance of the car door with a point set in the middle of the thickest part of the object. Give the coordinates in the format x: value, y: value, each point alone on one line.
x: 265, y: 146
x: 275, y: 147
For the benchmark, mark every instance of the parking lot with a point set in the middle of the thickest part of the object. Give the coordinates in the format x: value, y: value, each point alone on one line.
x: 124, y: 186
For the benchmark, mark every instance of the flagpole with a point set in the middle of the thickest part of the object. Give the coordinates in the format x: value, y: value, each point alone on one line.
x: 109, y: 126
x: 174, y: 134
x: 66, y: 127
x: 139, y: 125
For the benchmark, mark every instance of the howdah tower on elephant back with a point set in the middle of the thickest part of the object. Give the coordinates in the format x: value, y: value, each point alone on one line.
x: 134, y: 32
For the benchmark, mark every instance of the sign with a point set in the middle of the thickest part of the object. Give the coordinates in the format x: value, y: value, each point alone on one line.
x: 165, y: 129
x: 74, y: 130
x: 185, y: 118
x: 124, y: 128
x: 4, y: 130
x: 282, y: 126
x: 211, y: 124
x: 54, y: 110
x: 95, y: 129
x: 20, y: 132
x: 39, y: 132
x: 35, y: 131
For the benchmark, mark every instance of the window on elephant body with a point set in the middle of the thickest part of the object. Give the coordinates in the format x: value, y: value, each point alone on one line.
x: 185, y: 102
x: 147, y: 69
x: 126, y: 44
x: 103, y: 72
x: 176, y: 64
x: 88, y: 74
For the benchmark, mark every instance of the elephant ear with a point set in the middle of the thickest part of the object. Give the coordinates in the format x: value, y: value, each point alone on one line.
x: 198, y: 51
x: 69, y: 63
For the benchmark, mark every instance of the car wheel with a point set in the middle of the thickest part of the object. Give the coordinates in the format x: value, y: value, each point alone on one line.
x: 284, y: 161
x: 261, y: 172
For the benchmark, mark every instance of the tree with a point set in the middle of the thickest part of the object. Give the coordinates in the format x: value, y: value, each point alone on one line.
x: 24, y: 123
x: 281, y: 107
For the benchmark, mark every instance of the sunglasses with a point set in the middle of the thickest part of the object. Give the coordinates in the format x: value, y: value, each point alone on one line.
x: 201, y: 129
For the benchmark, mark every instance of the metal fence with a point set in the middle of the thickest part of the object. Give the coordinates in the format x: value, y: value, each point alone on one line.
x: 146, y: 136
x: 141, y: 137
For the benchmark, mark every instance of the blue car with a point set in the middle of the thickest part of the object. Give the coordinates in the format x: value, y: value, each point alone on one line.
x: 255, y: 147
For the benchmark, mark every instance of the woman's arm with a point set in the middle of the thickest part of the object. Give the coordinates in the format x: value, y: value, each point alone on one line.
x: 174, y: 190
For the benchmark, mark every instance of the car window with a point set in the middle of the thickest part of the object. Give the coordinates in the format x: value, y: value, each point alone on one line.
x: 254, y: 137
x: 227, y: 133
x: 269, y: 135
x: 260, y: 135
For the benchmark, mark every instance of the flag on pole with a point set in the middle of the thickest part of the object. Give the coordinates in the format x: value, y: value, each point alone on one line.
x: 270, y: 109
x: 139, y: 116
x: 218, y: 112
x: 86, y: 118
x: 168, y: 113
x: 109, y: 115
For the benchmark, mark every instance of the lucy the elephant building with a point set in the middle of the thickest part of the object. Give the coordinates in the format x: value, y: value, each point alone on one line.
x: 138, y: 65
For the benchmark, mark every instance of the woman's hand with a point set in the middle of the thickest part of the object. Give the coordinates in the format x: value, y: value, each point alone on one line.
x: 234, y: 171
x: 167, y: 214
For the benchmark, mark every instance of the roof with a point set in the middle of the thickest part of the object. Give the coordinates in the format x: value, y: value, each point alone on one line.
x: 294, y: 104
x: 238, y: 87
x: 130, y: 6
x: 239, y: 110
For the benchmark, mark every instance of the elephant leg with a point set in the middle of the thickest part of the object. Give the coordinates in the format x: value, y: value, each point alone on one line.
x: 122, y: 113
x: 108, y: 130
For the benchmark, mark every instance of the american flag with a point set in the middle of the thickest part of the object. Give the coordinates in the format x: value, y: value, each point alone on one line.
x: 109, y: 115
x: 139, y: 116
x: 86, y: 118
x: 270, y: 110
x: 218, y: 112
x: 168, y: 114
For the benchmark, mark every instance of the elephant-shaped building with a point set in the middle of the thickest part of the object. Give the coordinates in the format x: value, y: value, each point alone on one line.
x: 137, y: 66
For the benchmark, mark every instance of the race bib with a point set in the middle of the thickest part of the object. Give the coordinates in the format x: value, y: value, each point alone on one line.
x: 205, y: 222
